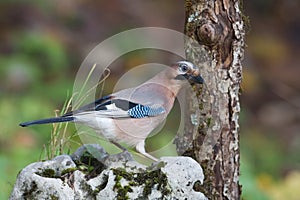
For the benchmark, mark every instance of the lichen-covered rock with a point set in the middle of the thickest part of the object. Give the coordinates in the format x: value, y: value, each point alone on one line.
x: 184, y: 177
x: 85, y: 175
x: 43, y: 180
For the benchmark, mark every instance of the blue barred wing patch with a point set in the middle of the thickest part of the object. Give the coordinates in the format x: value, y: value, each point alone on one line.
x: 141, y: 111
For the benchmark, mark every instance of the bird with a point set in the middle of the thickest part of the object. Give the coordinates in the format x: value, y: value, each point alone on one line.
x: 130, y: 115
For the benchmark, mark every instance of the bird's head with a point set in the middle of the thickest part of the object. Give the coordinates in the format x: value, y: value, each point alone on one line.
x: 184, y: 70
x: 177, y: 76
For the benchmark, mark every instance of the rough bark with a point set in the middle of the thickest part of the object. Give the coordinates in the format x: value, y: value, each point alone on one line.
x: 216, y: 44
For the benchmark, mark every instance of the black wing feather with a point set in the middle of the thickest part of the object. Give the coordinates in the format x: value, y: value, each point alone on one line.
x: 96, y: 105
x: 134, y: 110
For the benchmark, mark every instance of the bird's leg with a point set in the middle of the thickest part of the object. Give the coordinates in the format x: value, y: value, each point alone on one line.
x: 124, y: 155
x: 118, y: 145
x: 140, y: 147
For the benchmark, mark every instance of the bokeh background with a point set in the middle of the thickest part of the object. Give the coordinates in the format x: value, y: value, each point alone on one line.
x: 42, y: 44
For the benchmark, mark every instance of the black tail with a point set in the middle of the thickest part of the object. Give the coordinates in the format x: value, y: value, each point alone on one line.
x: 47, y: 121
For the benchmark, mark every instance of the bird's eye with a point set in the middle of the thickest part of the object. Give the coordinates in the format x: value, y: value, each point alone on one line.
x: 183, y: 67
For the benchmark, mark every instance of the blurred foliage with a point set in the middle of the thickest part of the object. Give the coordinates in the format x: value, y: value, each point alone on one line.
x: 286, y: 189
x: 42, y: 44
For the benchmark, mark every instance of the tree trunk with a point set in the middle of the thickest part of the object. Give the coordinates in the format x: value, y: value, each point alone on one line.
x: 215, y: 43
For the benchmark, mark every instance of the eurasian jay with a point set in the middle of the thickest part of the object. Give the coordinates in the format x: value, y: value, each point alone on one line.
x: 130, y: 115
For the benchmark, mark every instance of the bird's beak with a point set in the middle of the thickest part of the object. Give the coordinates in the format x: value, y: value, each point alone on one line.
x: 196, y: 77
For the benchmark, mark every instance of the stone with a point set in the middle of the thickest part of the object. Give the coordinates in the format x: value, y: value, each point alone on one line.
x: 104, y: 176
x: 183, y: 174
x: 41, y: 180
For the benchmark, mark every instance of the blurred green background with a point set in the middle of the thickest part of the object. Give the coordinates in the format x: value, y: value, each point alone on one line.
x: 42, y: 44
